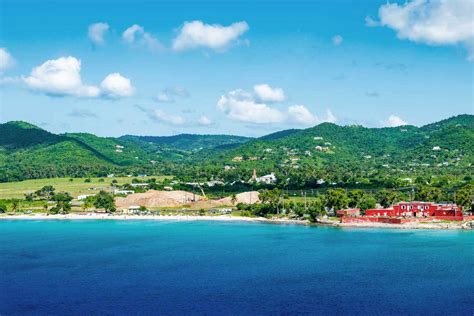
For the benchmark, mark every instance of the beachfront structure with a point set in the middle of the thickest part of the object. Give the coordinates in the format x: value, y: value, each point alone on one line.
x: 406, y: 212
x: 417, y: 209
x: 353, y: 212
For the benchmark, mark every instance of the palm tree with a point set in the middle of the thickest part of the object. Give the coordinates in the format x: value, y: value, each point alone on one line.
x: 233, y: 198
x: 15, y: 205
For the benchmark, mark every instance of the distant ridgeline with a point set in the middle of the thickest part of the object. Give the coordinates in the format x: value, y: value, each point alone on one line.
x: 441, y: 153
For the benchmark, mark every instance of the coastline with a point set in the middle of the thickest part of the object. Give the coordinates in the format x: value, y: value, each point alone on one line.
x: 95, y: 216
x: 92, y: 216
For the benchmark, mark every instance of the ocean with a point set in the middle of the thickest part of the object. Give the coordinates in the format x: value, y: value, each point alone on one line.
x: 111, y: 267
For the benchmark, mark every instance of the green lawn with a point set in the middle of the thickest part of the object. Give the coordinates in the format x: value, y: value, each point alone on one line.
x: 76, y: 187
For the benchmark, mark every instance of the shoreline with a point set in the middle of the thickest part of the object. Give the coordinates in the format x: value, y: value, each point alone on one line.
x: 91, y: 216
x: 95, y: 216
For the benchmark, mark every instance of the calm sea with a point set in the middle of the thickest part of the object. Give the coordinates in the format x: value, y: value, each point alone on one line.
x: 230, y: 268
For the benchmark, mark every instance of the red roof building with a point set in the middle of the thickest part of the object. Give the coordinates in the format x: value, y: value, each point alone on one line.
x: 418, y: 209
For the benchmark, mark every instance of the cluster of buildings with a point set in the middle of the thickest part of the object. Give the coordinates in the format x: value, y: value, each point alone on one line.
x: 404, y: 212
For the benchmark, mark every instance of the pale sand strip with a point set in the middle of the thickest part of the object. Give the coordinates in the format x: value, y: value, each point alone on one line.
x: 95, y: 216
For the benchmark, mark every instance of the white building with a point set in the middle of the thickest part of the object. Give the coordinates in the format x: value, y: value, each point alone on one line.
x: 84, y: 196
x: 135, y: 185
x: 267, y: 179
x: 124, y: 192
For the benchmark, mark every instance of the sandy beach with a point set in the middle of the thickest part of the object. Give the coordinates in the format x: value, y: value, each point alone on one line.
x: 96, y: 216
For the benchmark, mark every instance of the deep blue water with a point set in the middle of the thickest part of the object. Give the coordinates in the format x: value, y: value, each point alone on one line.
x: 148, y: 267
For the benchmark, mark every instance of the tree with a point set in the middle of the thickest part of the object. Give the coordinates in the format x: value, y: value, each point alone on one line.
x: 15, y: 204
x: 464, y: 197
x: 63, y: 205
x: 387, y: 198
x: 45, y: 193
x: 88, y: 203
x: 367, y: 201
x: 3, y: 207
x: 233, y: 198
x: 315, y: 209
x: 428, y: 193
x: 355, y: 196
x: 336, y: 199
x: 105, y: 200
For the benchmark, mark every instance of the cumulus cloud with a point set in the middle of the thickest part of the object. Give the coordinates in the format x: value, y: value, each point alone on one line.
x: 158, y: 115
x: 433, y: 22
x: 117, y: 86
x: 241, y: 106
x: 330, y: 117
x: 203, y: 120
x: 6, y: 60
x: 169, y: 94
x: 337, y: 40
x: 196, y: 34
x: 266, y: 93
x: 60, y: 77
x: 136, y: 34
x: 97, y: 32
x: 393, y: 121
x: 301, y: 114
x: 164, y: 117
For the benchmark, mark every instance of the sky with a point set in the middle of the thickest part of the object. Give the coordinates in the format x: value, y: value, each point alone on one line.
x: 233, y: 67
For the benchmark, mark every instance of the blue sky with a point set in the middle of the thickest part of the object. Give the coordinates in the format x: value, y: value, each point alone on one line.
x: 247, y: 67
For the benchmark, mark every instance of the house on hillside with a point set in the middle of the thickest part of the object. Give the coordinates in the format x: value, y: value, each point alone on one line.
x: 266, y: 179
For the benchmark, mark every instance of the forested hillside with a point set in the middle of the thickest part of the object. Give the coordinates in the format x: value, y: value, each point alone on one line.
x: 324, y: 155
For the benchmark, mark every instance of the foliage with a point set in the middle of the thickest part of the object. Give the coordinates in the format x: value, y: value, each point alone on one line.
x: 105, y: 201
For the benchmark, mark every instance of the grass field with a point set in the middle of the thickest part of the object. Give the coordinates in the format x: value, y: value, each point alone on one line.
x: 77, y: 186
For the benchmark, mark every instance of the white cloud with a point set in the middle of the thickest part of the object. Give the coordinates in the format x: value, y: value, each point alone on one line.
x: 164, y: 117
x: 433, y: 22
x: 97, y: 32
x: 169, y: 94
x: 60, y: 77
x: 393, y: 121
x: 330, y: 118
x: 241, y: 106
x: 301, y: 114
x: 6, y: 60
x: 370, y: 22
x: 136, y: 34
x: 266, y: 93
x: 204, y: 121
x: 116, y: 86
x: 337, y: 40
x: 163, y: 97
x: 214, y: 36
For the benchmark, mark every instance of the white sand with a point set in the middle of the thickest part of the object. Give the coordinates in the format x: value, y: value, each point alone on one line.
x: 97, y: 216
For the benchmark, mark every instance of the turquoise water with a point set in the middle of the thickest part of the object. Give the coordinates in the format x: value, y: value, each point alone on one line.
x: 154, y: 267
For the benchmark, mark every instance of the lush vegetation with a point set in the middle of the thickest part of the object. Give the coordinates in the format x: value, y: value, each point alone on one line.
x: 439, y: 155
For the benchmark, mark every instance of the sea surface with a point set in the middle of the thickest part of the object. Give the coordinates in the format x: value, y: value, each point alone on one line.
x: 229, y: 268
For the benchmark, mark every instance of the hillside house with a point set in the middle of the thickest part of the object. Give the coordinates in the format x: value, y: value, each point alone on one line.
x: 267, y: 179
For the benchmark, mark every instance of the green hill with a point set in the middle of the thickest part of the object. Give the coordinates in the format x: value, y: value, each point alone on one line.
x: 326, y: 154
x: 190, y: 142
